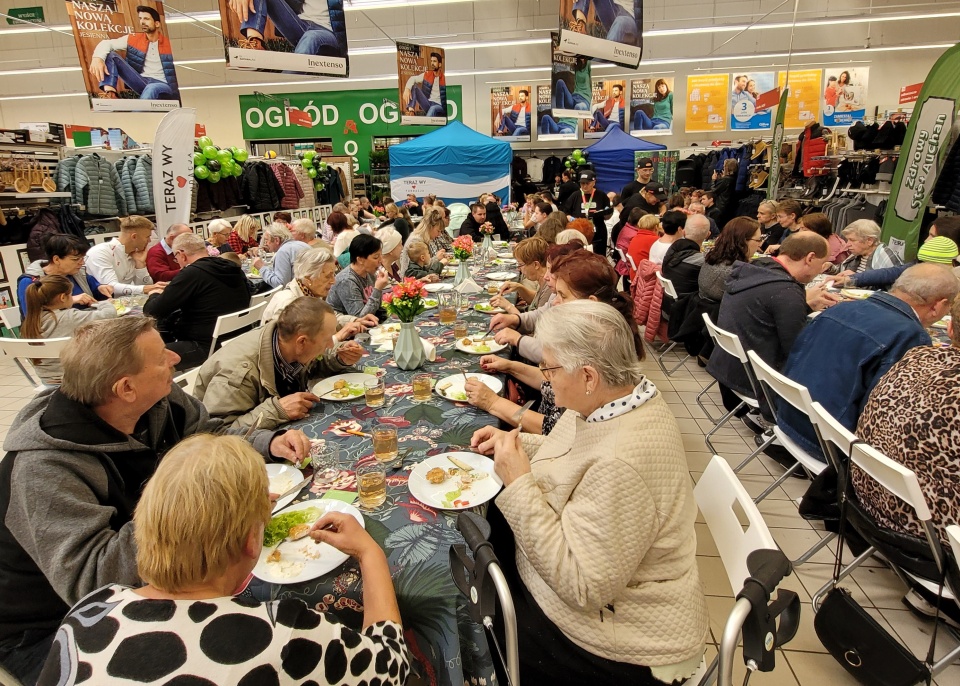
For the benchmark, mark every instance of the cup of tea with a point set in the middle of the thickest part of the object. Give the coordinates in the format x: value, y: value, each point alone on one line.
x: 371, y: 485
x: 460, y: 329
x: 422, y: 388
x: 374, y: 391
x: 325, y: 458
x: 385, y: 443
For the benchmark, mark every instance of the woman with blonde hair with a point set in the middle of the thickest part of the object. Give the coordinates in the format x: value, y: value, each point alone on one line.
x: 554, y: 224
x: 243, y: 238
x: 185, y: 625
x: 428, y: 231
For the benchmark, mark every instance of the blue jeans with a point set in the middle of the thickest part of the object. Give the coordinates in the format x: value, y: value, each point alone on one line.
x: 621, y: 26
x: 147, y: 88
x: 548, y: 125
x: 643, y: 122
x: 563, y: 99
x: 307, y: 37
x: 419, y: 98
x: 512, y: 128
x: 602, y: 123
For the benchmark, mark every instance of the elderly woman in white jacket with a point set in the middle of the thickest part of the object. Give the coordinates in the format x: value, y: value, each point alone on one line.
x: 601, y: 514
x: 313, y: 275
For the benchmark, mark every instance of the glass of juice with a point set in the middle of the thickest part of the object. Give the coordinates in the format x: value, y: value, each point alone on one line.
x: 374, y: 390
x: 460, y: 329
x: 371, y: 485
x: 422, y: 387
x: 325, y: 458
x: 385, y: 443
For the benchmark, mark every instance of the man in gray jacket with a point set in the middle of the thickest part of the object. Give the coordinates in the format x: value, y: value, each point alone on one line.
x: 266, y: 371
x: 77, y: 459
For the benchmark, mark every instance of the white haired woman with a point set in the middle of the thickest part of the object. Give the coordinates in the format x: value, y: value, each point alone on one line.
x: 314, y: 271
x: 599, y: 517
x: 219, y: 231
x: 185, y: 626
x: 866, y: 250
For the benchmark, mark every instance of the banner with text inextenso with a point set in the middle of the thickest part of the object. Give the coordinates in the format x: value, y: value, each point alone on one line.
x: 351, y: 119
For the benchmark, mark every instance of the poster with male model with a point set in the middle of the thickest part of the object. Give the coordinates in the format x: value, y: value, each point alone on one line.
x: 608, y: 29
x: 511, y: 113
x: 126, y: 55
x: 423, y: 86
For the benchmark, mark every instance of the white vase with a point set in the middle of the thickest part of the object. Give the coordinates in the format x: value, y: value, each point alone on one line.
x: 487, y: 243
x: 463, y: 273
x: 408, y: 351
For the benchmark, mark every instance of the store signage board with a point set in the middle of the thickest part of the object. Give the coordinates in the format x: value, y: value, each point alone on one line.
x: 651, y: 106
x: 845, y: 95
x: 350, y: 119
x: 746, y: 90
x: 609, y: 108
x: 511, y: 116
x: 31, y: 14
x: 803, y: 105
x: 925, y: 147
x: 708, y: 103
x: 910, y: 93
x: 611, y: 31
x: 422, y: 84
x: 173, y: 167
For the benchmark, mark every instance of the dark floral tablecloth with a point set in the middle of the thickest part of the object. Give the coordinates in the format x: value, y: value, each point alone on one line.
x: 449, y: 647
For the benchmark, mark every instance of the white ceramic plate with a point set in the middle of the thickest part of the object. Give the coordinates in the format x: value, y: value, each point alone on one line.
x: 492, y: 310
x: 325, y: 389
x: 282, y: 478
x: 447, y: 273
x: 502, y: 276
x: 505, y: 261
x: 434, y: 495
x: 437, y: 287
x: 942, y: 324
x: 491, y: 347
x: 454, y: 384
x: 856, y: 293
x: 385, y: 333
x: 305, y: 559
x: 430, y: 303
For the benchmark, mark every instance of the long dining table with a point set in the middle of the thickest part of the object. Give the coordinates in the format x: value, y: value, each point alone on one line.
x: 448, y: 647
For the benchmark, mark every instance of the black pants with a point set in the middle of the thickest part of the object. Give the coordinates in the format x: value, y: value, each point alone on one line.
x: 192, y: 353
x: 24, y: 656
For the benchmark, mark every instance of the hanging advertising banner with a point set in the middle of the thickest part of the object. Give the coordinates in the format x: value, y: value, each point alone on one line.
x: 773, y: 182
x: 930, y: 135
x: 707, y: 103
x: 511, y: 113
x: 844, y: 96
x: 173, y: 167
x: 664, y: 165
x: 609, y: 108
x: 572, y: 87
x: 609, y: 29
x: 651, y: 107
x: 423, y: 86
x: 745, y: 112
x: 803, y: 105
x: 909, y: 94
x: 307, y: 37
x: 549, y: 128
x: 125, y: 55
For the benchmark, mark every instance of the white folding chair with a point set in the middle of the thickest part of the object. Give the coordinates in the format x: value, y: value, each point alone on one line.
x: 631, y: 262
x: 264, y: 297
x: 12, y: 319
x: 722, y: 501
x: 669, y: 290
x: 23, y: 350
x: 228, y: 323
x: 188, y: 380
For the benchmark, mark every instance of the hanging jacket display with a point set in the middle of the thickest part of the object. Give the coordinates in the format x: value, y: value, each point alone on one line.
x: 292, y: 192
x: 309, y: 198
x: 333, y: 190
x: 126, y: 182
x: 218, y: 196
x: 98, y: 186
x: 259, y: 188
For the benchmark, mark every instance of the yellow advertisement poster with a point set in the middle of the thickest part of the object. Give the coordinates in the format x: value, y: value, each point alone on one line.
x: 708, y: 102
x: 803, y: 102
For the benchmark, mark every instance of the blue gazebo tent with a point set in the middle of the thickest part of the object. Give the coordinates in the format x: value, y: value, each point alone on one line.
x: 613, y: 161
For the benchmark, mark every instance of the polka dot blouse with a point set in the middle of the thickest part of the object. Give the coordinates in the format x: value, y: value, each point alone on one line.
x: 115, y: 636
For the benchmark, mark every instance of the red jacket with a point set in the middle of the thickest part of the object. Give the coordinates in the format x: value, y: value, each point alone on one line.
x: 160, y: 265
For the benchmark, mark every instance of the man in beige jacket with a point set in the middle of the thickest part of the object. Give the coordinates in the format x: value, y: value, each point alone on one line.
x: 267, y: 370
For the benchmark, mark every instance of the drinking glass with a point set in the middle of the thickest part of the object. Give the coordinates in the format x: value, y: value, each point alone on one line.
x: 449, y: 304
x: 325, y: 458
x: 460, y: 329
x: 422, y: 387
x: 385, y: 443
x: 374, y: 390
x: 371, y: 485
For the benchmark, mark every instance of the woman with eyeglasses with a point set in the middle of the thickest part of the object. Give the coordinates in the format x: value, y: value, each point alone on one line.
x: 65, y: 256
x: 531, y: 255
x: 580, y: 276
x: 598, y: 517
x: 738, y: 241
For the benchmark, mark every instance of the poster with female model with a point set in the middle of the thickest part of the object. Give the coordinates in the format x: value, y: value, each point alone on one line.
x: 608, y: 29
x: 651, y: 107
x: 745, y: 113
x: 844, y: 96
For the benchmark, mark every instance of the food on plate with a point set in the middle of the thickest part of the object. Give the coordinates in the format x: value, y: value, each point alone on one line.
x: 344, y: 389
x: 443, y: 389
x: 466, y: 341
x: 484, y: 307
x: 280, y: 525
x: 431, y: 303
x: 274, y: 556
x: 436, y: 475
x: 299, y: 531
x: 340, y: 384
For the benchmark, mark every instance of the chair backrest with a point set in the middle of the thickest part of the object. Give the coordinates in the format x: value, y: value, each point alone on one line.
x: 729, y: 342
x: 263, y: 297
x: 23, y: 350
x: 631, y: 262
x: 794, y: 393
x: 12, y: 319
x: 188, y: 380
x: 835, y: 439
x: 892, y: 476
x: 667, y: 286
x: 227, y: 323
x: 716, y: 493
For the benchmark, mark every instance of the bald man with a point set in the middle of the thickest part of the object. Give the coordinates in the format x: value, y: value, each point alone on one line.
x: 161, y: 265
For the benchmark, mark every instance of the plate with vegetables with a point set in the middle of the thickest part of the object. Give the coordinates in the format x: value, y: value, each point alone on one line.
x: 289, y: 555
x: 453, y: 387
x: 454, y: 481
x: 486, y: 308
x: 479, y: 345
x: 342, y: 387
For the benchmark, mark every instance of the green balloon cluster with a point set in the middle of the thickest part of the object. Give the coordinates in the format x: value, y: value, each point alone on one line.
x: 314, y: 166
x: 213, y: 163
x: 575, y: 159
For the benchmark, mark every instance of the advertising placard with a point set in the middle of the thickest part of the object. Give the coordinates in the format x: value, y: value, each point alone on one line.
x: 125, y: 55
x: 423, y: 86
x: 285, y: 36
x: 511, y: 113
x: 173, y: 167
x: 609, y: 29
x: 572, y: 87
x: 708, y: 102
x: 651, y: 106
x: 548, y: 127
x: 609, y: 108
x: 844, y: 95
x: 745, y: 112
x: 664, y: 165
x: 803, y: 104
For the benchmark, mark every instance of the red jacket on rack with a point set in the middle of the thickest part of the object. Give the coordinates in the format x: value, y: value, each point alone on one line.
x: 292, y: 192
x: 160, y: 265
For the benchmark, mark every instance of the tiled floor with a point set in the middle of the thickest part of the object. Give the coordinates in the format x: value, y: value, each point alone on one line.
x: 803, y: 662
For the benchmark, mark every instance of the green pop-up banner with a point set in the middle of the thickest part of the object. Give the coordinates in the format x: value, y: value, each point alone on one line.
x: 928, y: 140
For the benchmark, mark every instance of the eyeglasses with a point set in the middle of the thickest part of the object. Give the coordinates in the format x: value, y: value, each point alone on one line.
x: 520, y: 266
x: 545, y: 370
x: 755, y: 240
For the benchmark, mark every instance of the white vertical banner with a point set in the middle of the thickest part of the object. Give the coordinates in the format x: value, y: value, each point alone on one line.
x: 173, y: 167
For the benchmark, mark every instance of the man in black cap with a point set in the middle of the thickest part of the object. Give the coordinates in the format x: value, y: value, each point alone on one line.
x: 589, y: 203
x: 568, y: 186
x: 649, y: 198
x: 644, y: 176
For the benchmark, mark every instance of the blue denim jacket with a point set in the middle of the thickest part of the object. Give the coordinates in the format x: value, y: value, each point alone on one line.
x: 842, y: 354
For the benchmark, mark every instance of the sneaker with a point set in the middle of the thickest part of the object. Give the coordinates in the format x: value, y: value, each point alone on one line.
x: 251, y: 44
x: 921, y: 607
x: 779, y: 454
x: 753, y: 421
